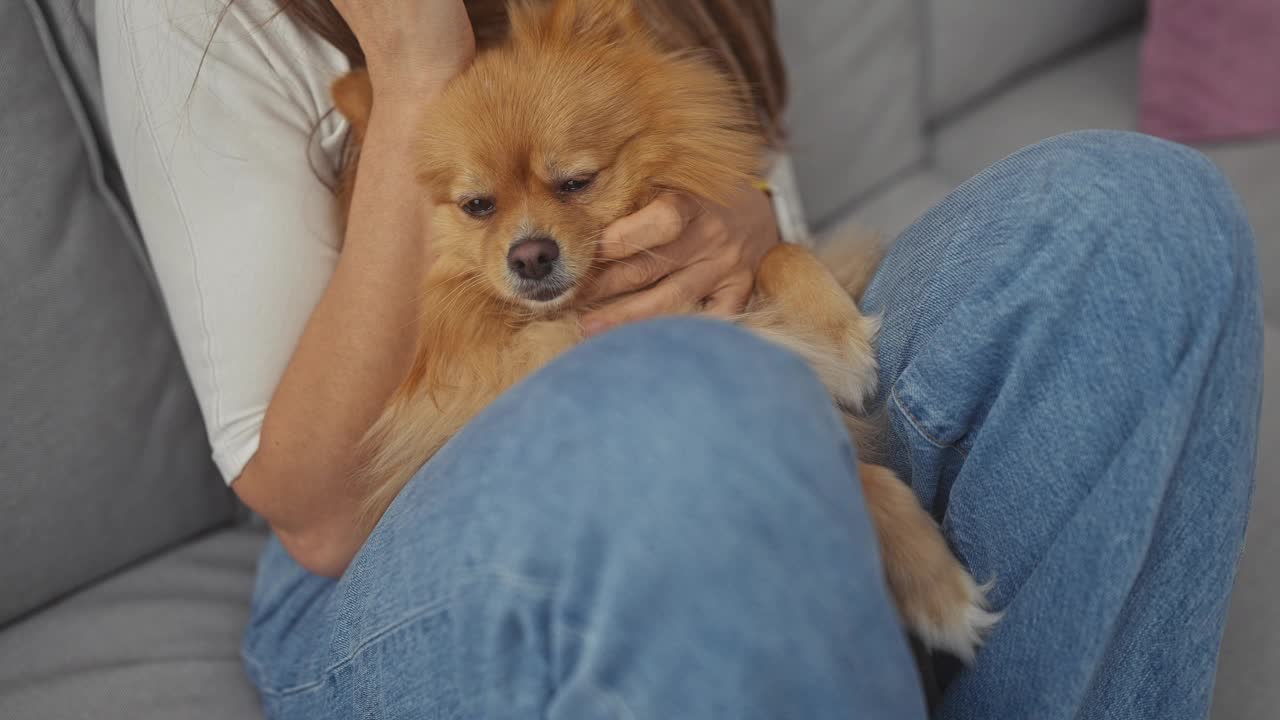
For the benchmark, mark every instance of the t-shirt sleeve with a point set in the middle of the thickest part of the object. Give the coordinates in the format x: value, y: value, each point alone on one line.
x: 228, y: 150
x: 787, y: 208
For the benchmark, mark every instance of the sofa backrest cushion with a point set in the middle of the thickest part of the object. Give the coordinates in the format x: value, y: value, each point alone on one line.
x: 103, y: 458
x: 974, y: 45
x: 855, y: 117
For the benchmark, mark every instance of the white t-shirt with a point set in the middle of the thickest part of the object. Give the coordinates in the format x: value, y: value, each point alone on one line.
x: 229, y: 151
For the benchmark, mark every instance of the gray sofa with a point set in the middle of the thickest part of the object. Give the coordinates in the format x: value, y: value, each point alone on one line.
x: 127, y: 566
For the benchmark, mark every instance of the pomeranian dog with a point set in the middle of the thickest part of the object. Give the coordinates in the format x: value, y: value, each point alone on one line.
x: 578, y: 118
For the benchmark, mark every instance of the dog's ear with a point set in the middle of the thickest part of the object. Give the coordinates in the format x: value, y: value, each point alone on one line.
x: 703, y: 139
x: 570, y: 21
x: 353, y: 97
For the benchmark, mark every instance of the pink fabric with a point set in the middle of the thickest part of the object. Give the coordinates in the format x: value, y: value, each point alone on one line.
x: 1211, y: 69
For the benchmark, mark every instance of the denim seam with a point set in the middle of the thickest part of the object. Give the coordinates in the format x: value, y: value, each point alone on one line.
x: 325, y: 674
x: 918, y: 426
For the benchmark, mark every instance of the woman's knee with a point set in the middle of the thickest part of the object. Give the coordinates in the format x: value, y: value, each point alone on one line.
x: 1120, y: 217
x: 680, y: 379
x: 679, y: 429
x: 1146, y: 214
x: 697, y: 483
x: 680, y: 392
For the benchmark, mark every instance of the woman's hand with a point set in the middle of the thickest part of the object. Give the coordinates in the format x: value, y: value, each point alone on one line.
x: 695, y: 253
x: 411, y: 47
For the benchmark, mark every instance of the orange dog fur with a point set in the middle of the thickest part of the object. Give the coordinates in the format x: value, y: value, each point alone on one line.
x: 577, y: 120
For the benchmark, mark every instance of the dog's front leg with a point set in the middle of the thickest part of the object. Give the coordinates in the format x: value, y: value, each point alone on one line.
x: 800, y: 305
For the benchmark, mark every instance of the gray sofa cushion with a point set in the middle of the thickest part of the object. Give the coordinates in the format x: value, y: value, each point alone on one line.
x: 856, y: 83
x: 155, y: 642
x: 977, y: 44
x: 103, y: 458
x: 1097, y: 88
x: 890, y: 210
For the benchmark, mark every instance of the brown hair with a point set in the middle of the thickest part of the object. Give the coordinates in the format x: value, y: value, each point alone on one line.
x: 741, y: 35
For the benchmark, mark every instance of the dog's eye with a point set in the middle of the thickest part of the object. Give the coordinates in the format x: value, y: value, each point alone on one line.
x: 577, y: 184
x: 478, y: 207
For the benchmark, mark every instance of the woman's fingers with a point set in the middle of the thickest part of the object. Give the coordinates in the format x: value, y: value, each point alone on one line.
x: 656, y: 224
x: 701, y: 237
x: 731, y: 298
x: 680, y: 293
x: 638, y: 271
x: 676, y: 255
x: 646, y: 267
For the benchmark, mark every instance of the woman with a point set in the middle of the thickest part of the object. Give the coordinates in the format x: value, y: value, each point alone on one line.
x: 665, y: 522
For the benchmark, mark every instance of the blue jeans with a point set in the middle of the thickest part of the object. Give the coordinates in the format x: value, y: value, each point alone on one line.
x: 666, y: 522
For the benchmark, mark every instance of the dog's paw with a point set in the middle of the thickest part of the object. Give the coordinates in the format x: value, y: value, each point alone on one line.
x: 845, y: 358
x: 951, y: 613
x: 935, y: 595
x: 837, y: 343
x: 858, y: 361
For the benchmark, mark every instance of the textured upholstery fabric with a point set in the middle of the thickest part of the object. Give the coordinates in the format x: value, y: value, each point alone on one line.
x: 155, y: 642
x: 977, y: 44
x: 1209, y: 70
x: 102, y: 455
x: 855, y: 74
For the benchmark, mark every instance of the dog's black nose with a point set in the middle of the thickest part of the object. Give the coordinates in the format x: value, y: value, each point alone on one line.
x: 534, y: 258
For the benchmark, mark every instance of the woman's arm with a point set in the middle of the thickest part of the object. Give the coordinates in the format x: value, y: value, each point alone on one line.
x: 360, y: 338
x: 292, y: 345
x: 352, y: 353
